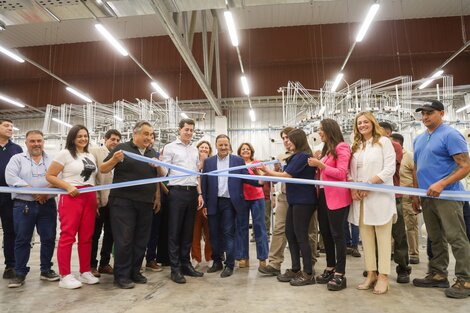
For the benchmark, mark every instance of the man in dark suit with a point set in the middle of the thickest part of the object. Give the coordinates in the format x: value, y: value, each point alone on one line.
x: 223, y: 196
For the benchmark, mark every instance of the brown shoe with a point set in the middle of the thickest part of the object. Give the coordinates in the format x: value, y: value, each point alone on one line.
x: 303, y: 279
x: 153, y: 266
x: 106, y: 269
x: 287, y: 276
x: 243, y: 263
x: 459, y: 290
x: 95, y: 272
x: 262, y: 263
x: 432, y: 280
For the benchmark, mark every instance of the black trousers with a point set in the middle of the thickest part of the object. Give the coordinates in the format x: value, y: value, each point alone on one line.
x: 297, y: 224
x: 332, y: 230
x: 102, y: 222
x: 182, y: 212
x: 162, y: 242
x: 131, y: 222
x: 6, y: 215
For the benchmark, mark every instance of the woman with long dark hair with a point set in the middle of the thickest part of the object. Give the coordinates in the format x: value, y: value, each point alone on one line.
x: 77, y: 210
x: 302, y: 200
x: 333, y: 209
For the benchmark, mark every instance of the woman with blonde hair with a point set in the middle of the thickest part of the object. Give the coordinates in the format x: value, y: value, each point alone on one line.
x: 373, y: 162
x: 200, y: 222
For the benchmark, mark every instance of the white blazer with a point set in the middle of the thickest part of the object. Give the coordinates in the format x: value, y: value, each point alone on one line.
x: 379, y: 160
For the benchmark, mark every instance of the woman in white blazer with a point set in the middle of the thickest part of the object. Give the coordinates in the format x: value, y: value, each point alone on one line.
x: 373, y: 161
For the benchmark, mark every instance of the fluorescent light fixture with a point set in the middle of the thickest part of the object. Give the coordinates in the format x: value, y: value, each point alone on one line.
x: 252, y: 115
x: 61, y: 122
x: 160, y: 90
x: 437, y: 74
x: 78, y: 94
x: 246, y: 88
x: 463, y: 108
x: 11, y: 101
x: 184, y: 115
x: 111, y: 39
x: 231, y: 28
x: 365, y: 26
x: 117, y: 118
x: 337, y: 81
x: 11, y: 55
x: 425, y: 84
x: 16, y: 128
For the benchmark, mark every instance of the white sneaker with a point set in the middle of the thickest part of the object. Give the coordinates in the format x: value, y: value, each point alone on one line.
x: 69, y: 282
x: 88, y: 278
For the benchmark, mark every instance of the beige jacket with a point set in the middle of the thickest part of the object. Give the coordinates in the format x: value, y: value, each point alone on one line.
x: 100, y: 153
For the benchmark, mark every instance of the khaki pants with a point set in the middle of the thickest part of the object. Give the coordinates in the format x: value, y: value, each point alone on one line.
x: 383, y: 235
x: 411, y: 224
x: 445, y: 225
x: 279, y: 240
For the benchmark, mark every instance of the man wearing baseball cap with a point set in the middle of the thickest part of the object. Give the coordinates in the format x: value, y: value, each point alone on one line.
x: 441, y: 161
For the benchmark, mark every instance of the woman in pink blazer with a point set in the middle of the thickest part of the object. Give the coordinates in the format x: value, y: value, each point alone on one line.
x: 333, y: 164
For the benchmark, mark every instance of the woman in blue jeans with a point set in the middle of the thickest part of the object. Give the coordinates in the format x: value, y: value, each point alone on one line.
x: 254, y: 196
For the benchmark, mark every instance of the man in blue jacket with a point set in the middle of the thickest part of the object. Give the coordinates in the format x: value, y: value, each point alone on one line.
x: 223, y: 197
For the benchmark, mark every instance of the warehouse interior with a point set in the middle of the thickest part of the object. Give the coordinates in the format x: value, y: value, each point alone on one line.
x: 284, y: 63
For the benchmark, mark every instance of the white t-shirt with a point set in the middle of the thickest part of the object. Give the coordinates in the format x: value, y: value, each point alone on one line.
x: 77, y: 172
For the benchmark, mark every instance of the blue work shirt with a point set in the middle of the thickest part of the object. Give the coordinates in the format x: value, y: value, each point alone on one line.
x: 297, y: 167
x: 23, y: 171
x: 433, y: 155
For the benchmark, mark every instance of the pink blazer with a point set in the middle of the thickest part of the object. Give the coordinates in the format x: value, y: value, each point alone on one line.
x: 337, y: 170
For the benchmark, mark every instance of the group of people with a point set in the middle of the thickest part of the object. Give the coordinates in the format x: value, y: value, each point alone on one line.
x: 217, y: 206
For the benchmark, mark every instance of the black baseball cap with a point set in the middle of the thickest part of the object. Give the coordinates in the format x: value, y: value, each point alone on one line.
x: 433, y: 106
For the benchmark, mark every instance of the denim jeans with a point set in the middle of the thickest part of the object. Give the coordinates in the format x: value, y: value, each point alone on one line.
x: 27, y: 215
x: 259, y: 227
x: 352, y: 237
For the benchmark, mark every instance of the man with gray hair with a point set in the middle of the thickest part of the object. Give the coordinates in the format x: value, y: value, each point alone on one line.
x: 28, y: 169
x: 131, y: 207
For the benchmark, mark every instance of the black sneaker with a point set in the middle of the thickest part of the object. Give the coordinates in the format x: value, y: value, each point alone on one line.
x: 269, y: 270
x: 432, y: 280
x: 9, y: 273
x: 326, y: 276
x: 139, y: 279
x: 303, y: 279
x: 50, y: 275
x: 16, y: 282
x: 459, y: 290
x: 287, y: 276
x: 355, y: 253
x: 403, y: 275
x: 338, y: 282
x: 414, y: 260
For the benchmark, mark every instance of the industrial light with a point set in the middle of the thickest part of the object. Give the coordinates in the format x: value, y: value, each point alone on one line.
x: 61, y: 122
x: 337, y: 81
x: 184, y: 115
x: 159, y: 90
x: 231, y: 28
x: 111, y: 39
x: 252, y: 115
x: 120, y: 119
x: 246, y: 88
x: 16, y: 128
x: 365, y: 26
x: 462, y: 108
x: 78, y: 94
x: 11, y: 54
x: 430, y: 80
x: 11, y: 101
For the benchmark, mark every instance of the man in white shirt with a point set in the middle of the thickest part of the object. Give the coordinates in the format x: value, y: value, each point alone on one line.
x: 185, y: 198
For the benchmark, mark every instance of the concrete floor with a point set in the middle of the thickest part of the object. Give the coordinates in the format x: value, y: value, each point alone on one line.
x: 245, y: 291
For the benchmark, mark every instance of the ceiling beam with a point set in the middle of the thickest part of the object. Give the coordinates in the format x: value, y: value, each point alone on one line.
x: 167, y: 21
